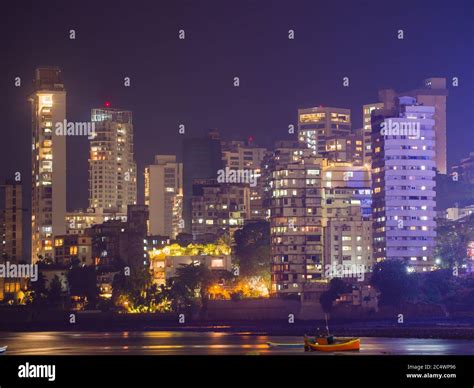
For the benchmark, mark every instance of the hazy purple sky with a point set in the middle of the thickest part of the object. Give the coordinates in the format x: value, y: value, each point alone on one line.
x: 191, y: 81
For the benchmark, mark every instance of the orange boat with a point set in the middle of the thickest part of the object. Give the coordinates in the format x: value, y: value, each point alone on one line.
x: 339, y: 344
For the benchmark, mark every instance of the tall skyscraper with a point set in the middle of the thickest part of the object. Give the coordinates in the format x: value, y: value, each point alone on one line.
x: 433, y: 93
x: 202, y: 159
x: 315, y: 125
x: 163, y: 195
x: 48, y: 202
x: 11, y: 222
x: 403, y: 183
x: 367, y: 129
x: 112, y: 168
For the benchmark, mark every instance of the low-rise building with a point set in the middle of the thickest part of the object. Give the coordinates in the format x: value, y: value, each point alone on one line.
x: 73, y: 248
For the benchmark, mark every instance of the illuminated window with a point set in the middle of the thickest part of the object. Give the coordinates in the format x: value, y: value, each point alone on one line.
x: 217, y: 263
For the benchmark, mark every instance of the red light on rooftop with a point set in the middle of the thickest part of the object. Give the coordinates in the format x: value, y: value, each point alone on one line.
x: 107, y: 104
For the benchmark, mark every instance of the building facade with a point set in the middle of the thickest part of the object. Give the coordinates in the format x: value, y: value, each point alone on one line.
x: 112, y: 168
x: 403, y: 184
x: 432, y: 93
x: 48, y: 197
x: 11, y: 221
x: 219, y: 208
x: 315, y: 125
x: 296, y: 224
x: 245, y: 156
x: 347, y: 219
x: 202, y: 159
x: 163, y: 195
x: 367, y: 129
x: 69, y: 249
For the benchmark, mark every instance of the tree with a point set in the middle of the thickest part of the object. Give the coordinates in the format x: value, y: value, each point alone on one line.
x: 55, y: 291
x: 393, y: 281
x: 132, y: 289
x: 253, y: 250
x: 192, y: 280
x: 37, y: 290
x: 452, y: 241
x: 328, y: 297
x: 83, y: 282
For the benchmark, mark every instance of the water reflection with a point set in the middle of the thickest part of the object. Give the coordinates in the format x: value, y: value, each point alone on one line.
x: 212, y: 343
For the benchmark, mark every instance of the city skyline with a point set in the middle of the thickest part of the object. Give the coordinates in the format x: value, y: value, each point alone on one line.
x: 233, y: 178
x: 299, y: 84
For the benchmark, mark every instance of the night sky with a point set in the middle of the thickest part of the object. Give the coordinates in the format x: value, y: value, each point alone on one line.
x: 191, y: 82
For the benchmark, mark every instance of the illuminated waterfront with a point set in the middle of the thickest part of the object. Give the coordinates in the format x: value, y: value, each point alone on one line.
x: 206, y: 343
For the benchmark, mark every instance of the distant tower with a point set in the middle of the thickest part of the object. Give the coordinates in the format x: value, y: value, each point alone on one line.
x: 163, y: 195
x: 48, y: 202
x: 202, y: 158
x: 112, y: 169
x: 432, y: 93
x: 11, y: 221
x: 315, y: 125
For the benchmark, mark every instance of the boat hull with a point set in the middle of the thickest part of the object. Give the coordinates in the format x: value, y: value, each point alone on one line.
x: 350, y: 344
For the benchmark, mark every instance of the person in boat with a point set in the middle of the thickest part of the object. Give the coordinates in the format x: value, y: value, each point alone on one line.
x: 328, y: 339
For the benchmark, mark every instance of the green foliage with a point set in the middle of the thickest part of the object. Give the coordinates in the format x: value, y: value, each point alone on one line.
x: 393, y: 281
x: 452, y: 240
x: 253, y: 250
x: 192, y: 281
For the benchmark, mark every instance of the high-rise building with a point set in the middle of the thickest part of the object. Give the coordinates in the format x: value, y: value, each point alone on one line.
x: 347, y: 216
x: 315, y: 125
x: 403, y: 183
x: 296, y: 224
x: 48, y: 203
x: 367, y: 129
x: 433, y: 93
x: 245, y: 156
x: 202, y: 159
x: 11, y: 222
x: 112, y: 168
x: 284, y: 152
x: 163, y: 195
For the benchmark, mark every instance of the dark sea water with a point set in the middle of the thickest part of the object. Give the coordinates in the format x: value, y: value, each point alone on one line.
x: 206, y: 343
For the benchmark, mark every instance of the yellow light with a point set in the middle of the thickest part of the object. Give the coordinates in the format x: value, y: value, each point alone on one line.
x: 46, y: 100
